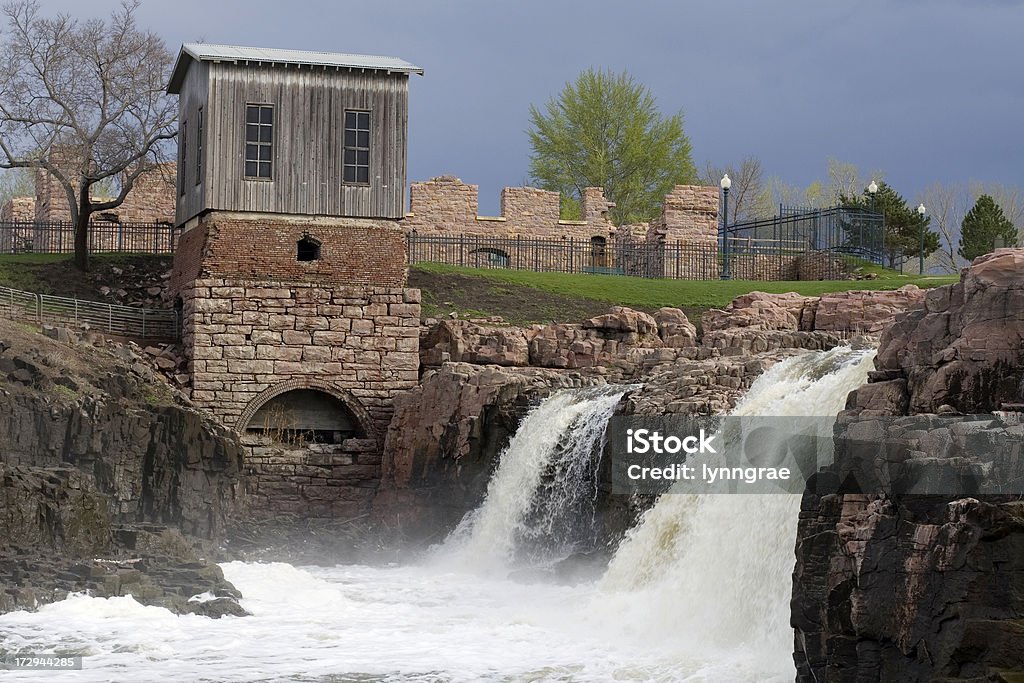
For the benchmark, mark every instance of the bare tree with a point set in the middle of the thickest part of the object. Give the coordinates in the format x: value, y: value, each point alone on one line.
x: 93, y: 88
x: 946, y: 205
x: 748, y: 197
x: 844, y: 179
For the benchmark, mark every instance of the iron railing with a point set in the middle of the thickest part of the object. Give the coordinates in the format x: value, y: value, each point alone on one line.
x: 17, y: 237
x: 746, y: 257
x: 845, y: 230
x: 113, y: 319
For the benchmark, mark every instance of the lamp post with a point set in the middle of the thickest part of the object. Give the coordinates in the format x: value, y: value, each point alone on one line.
x: 872, y: 188
x: 725, y: 184
x: 920, y: 256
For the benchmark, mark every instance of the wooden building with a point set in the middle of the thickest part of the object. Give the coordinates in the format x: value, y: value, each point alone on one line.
x: 290, y: 132
x: 291, y: 270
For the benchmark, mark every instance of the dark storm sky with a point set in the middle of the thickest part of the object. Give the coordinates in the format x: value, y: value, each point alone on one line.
x: 925, y: 90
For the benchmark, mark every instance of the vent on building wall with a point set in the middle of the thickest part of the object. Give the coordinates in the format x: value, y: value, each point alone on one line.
x: 307, y: 249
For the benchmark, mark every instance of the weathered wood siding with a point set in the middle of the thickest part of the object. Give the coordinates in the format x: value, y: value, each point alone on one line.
x: 309, y: 126
x: 193, y: 96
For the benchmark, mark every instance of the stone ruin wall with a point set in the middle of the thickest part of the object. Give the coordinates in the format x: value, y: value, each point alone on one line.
x: 16, y: 209
x: 445, y: 206
x: 151, y: 201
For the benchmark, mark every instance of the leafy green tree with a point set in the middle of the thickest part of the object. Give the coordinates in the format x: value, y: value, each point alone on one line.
x: 605, y: 130
x: 983, y: 225
x: 902, y: 224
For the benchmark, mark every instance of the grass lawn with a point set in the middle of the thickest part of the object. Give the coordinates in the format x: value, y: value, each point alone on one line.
x: 650, y: 294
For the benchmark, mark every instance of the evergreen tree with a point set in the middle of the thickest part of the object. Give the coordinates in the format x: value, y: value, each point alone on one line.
x: 982, y: 226
x: 902, y: 224
x: 605, y: 130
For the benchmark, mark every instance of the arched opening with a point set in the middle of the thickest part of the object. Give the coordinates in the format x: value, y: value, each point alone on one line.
x: 490, y: 258
x: 305, y: 416
x: 307, y: 249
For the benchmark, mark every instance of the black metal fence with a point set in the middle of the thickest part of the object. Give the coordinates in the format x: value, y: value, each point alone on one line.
x: 829, y: 244
x: 850, y: 231
x: 20, y: 237
x: 684, y: 261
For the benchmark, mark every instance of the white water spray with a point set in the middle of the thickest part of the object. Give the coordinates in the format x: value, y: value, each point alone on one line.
x: 715, y: 570
x: 540, y: 499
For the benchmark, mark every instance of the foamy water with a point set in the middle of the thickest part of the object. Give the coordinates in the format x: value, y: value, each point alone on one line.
x: 698, y: 592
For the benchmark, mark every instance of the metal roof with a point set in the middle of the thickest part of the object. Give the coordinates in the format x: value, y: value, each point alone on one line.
x: 206, y: 52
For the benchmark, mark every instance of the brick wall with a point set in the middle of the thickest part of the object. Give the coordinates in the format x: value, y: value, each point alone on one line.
x: 353, y: 250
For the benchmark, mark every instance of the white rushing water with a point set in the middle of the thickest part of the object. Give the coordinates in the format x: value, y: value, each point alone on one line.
x: 539, y: 501
x: 699, y: 591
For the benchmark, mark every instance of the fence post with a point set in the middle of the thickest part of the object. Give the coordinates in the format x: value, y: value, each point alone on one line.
x: 110, y: 319
x: 143, y: 323
x: 39, y: 309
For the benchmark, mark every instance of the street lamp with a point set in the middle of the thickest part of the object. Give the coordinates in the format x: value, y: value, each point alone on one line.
x: 872, y: 189
x: 920, y: 263
x: 725, y: 184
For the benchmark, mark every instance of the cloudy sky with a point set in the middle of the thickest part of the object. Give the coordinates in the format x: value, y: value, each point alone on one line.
x: 925, y: 90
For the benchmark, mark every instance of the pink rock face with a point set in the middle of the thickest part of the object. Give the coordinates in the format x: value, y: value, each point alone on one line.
x: 964, y: 347
x: 675, y: 329
x: 864, y: 312
x: 760, y: 311
x: 626, y: 322
x: 855, y: 312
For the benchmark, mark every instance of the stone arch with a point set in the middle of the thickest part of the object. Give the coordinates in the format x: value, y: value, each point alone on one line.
x: 350, y: 402
x: 489, y: 257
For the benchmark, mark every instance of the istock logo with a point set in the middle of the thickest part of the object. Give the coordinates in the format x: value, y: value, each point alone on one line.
x: 640, y: 441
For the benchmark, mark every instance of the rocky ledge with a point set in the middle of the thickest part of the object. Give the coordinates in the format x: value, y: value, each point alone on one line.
x: 482, y: 378
x: 109, y: 480
x: 898, y: 587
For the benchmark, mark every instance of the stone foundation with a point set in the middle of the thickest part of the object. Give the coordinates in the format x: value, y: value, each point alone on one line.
x: 249, y: 340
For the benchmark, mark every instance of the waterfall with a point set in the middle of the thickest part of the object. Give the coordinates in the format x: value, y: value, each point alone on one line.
x: 539, y: 505
x: 716, y: 570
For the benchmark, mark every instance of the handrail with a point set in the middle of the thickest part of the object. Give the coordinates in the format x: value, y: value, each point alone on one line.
x: 115, y: 319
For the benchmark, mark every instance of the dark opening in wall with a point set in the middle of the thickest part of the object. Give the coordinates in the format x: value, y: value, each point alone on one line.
x: 307, y: 249
x: 305, y: 416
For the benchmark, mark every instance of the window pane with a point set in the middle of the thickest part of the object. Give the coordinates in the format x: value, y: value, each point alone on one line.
x: 251, y: 153
x: 363, y: 157
x: 362, y: 174
x: 364, y: 120
x: 265, y: 133
x: 265, y: 169
x: 364, y: 138
x: 350, y: 174
x: 264, y: 152
x: 350, y: 157
x: 250, y: 168
x: 252, y: 114
x: 266, y: 114
x: 350, y: 138
x: 251, y: 132
x: 350, y: 119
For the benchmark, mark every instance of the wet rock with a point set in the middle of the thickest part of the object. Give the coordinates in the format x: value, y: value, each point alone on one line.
x: 915, y: 587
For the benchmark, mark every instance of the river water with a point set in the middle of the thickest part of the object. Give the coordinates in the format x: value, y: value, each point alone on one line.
x: 698, y: 591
